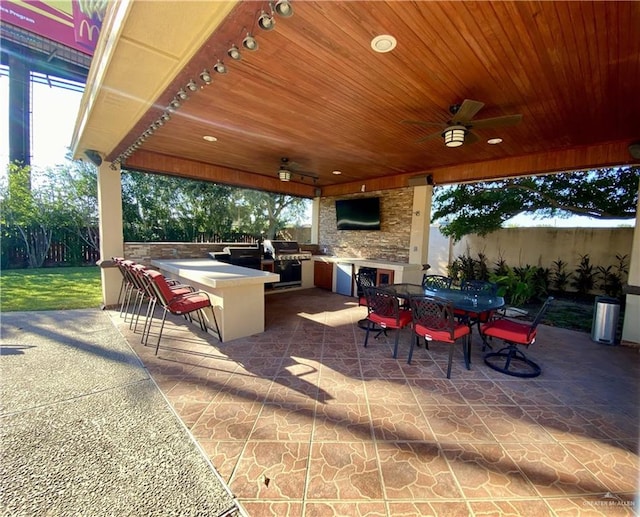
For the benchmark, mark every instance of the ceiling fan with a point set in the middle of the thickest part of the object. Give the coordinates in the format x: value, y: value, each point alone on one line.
x: 457, y: 130
x: 289, y: 168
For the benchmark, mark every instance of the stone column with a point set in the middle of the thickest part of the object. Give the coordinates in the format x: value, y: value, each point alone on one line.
x: 111, y: 236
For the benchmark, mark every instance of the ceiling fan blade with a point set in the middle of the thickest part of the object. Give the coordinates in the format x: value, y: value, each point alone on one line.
x: 466, y: 111
x: 507, y: 120
x: 470, y: 138
x: 429, y: 137
x: 423, y: 123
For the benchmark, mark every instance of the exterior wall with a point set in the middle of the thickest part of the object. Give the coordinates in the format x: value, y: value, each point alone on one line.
x: 542, y: 246
x: 390, y: 243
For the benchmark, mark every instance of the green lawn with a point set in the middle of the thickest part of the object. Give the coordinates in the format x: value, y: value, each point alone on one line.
x: 50, y: 288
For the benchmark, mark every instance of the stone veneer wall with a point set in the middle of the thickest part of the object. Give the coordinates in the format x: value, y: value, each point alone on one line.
x: 144, y: 252
x: 390, y: 243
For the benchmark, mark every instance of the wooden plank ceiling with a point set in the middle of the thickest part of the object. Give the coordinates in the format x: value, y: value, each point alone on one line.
x: 316, y: 93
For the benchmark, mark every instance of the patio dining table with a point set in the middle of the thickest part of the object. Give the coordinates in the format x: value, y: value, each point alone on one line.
x: 468, y: 301
x: 473, y: 306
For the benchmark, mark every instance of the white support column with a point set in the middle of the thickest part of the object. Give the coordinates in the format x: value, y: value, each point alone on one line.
x: 631, y: 326
x: 420, y: 224
x: 315, y: 221
x: 111, y: 236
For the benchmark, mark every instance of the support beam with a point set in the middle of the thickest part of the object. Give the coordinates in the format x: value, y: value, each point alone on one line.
x: 19, y: 111
x: 631, y: 326
x: 420, y: 224
x: 111, y: 234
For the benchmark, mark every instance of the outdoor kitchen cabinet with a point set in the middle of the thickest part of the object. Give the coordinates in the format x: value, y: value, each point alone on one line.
x: 323, y: 275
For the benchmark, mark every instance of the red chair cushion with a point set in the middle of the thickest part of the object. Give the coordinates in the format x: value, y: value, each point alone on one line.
x: 188, y: 303
x: 442, y: 335
x: 390, y: 322
x: 180, y: 290
x: 510, y: 331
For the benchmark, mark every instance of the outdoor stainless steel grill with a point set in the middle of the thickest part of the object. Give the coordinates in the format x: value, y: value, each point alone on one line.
x: 287, y: 261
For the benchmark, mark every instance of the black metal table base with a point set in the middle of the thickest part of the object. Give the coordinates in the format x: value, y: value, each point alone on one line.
x: 511, y: 361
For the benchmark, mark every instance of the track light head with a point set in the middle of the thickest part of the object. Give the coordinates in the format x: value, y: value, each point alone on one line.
x: 220, y: 67
x: 249, y: 42
x: 283, y: 8
x: 266, y: 22
x: 192, y: 86
x: 234, y: 53
x: 182, y: 95
x: 206, y: 77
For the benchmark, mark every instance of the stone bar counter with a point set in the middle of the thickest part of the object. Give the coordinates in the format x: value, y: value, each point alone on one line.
x: 237, y: 293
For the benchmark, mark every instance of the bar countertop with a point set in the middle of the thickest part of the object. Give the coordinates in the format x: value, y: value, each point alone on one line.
x: 215, y: 274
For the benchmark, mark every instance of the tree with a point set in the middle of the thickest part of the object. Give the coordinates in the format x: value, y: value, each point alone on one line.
x: 78, y: 181
x: 264, y: 213
x: 482, y: 207
x: 34, y: 211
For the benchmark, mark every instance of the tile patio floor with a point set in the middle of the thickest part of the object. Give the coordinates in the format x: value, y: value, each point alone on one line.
x: 302, y: 420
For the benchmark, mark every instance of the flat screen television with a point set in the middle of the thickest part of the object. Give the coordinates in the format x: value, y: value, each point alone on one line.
x: 358, y: 213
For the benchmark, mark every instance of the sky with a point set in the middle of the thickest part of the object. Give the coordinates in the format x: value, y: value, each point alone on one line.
x: 54, y: 115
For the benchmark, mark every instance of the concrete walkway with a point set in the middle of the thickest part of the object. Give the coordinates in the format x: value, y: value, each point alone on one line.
x: 86, y: 431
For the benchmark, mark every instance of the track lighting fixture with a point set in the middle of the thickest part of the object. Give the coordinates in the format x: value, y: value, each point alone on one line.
x: 206, y: 76
x: 166, y: 116
x: 249, y: 42
x: 283, y: 8
x: 234, y: 53
x: 266, y: 22
x: 182, y: 95
x: 175, y: 103
x: 220, y: 67
x: 192, y: 86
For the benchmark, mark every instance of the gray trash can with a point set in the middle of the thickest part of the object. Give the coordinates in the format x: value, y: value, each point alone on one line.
x: 605, y: 320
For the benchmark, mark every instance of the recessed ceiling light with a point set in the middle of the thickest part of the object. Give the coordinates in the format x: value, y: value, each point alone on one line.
x: 337, y: 173
x: 494, y: 141
x: 383, y: 43
x: 210, y: 138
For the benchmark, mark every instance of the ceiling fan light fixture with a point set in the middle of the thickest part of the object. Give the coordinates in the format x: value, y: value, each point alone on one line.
x: 283, y: 8
x: 249, y: 42
x: 454, y: 136
x: 266, y: 22
x: 284, y: 175
x: 234, y: 53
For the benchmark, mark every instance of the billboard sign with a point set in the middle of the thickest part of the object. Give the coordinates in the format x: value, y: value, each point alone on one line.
x: 73, y: 23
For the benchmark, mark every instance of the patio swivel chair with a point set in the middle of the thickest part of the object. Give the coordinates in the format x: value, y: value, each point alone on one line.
x: 178, y: 304
x: 383, y: 310
x: 510, y: 360
x: 434, y: 320
x: 436, y: 281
